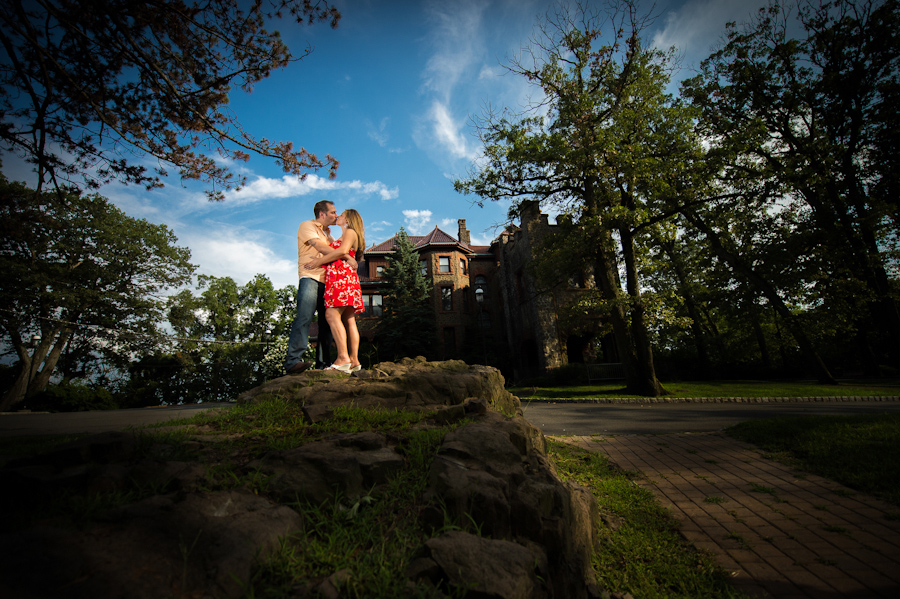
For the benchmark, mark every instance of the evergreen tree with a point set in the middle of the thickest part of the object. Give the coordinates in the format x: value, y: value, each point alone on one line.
x: 407, y: 327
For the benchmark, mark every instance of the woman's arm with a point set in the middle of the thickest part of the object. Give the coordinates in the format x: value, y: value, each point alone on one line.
x: 348, y: 240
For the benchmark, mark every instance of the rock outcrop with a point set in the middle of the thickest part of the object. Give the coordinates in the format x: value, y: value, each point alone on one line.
x: 520, y: 531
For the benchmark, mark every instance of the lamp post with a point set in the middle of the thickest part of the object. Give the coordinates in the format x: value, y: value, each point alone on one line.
x: 33, y: 345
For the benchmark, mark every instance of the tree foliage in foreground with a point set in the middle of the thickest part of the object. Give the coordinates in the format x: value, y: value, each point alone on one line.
x: 81, y: 278
x: 606, y: 145
x: 222, y: 335
x: 407, y: 325
x: 87, y: 84
x: 803, y: 133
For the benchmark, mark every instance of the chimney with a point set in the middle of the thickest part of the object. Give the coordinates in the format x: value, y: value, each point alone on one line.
x: 464, y: 237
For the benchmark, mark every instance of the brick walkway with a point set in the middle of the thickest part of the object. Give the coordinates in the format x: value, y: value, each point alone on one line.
x: 781, y: 534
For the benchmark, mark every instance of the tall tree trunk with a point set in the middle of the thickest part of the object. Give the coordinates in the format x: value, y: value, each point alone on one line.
x: 761, y: 340
x: 16, y: 393
x: 684, y: 290
x: 806, y: 346
x: 646, y: 384
x: 36, y: 368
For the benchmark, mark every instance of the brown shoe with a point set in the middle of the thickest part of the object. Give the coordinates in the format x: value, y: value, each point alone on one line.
x: 299, y: 367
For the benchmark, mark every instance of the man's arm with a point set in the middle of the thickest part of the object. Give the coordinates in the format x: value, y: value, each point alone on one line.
x: 323, y: 249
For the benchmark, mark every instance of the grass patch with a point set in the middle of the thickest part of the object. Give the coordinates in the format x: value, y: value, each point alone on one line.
x: 372, y: 539
x: 757, y: 488
x: 714, y: 389
x: 645, y: 555
x: 857, y: 451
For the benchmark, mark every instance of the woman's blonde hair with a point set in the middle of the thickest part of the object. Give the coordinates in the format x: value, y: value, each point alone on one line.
x: 355, y: 222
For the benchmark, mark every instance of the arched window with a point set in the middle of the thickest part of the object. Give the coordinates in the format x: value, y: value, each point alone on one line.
x: 480, y: 289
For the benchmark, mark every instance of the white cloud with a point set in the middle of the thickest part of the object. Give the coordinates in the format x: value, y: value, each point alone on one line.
x: 238, y: 253
x: 457, y: 37
x: 696, y: 27
x: 418, y: 222
x: 378, y: 134
x: 265, y: 188
x: 378, y: 226
x: 447, y: 133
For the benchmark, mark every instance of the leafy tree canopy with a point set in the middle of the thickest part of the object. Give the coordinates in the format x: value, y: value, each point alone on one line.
x: 87, y: 84
x: 78, y: 267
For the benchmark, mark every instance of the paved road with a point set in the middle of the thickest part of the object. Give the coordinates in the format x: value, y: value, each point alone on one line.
x: 643, y: 419
x: 551, y: 418
x: 23, y: 424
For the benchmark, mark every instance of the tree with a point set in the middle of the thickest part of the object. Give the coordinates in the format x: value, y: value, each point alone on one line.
x: 223, y: 334
x: 87, y: 84
x: 78, y: 265
x: 605, y: 145
x: 407, y: 326
x: 807, y: 128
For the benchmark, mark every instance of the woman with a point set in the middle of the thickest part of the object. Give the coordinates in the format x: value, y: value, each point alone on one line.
x: 343, y: 296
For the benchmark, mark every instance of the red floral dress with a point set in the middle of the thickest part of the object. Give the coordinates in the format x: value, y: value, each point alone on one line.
x: 342, y: 283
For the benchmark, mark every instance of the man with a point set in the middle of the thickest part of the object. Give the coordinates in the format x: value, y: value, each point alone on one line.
x: 311, y: 293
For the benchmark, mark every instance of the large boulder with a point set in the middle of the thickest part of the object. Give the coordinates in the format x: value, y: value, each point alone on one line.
x: 346, y: 466
x: 520, y: 531
x: 493, y: 476
x: 199, y: 545
x: 409, y: 385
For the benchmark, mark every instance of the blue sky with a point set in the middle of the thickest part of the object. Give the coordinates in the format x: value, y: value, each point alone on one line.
x: 390, y: 94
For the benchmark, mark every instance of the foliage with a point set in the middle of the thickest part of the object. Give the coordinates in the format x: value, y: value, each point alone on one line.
x: 224, y: 334
x: 607, y: 147
x: 645, y: 556
x: 407, y: 327
x: 857, y: 451
x: 84, y: 85
x: 71, y: 397
x: 802, y: 134
x: 81, y: 278
x: 272, y: 365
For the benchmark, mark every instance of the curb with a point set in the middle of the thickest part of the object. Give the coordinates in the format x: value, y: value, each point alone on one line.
x: 745, y: 400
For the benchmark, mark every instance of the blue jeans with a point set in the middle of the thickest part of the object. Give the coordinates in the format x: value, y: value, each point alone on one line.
x: 310, y: 299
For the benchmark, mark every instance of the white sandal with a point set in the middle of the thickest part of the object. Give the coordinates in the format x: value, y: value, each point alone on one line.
x: 339, y: 367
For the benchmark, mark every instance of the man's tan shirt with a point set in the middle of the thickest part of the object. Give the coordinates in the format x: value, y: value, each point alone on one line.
x: 310, y: 229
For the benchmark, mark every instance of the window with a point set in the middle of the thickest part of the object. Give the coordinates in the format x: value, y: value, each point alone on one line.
x: 372, y: 304
x: 423, y: 264
x: 463, y: 267
x: 447, y: 299
x: 480, y: 289
x: 379, y: 271
x: 444, y: 264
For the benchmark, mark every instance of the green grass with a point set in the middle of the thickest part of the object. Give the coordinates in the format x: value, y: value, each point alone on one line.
x: 644, y: 555
x: 373, y: 539
x: 715, y: 389
x: 860, y: 451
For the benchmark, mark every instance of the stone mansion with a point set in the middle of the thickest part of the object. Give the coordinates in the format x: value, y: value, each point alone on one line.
x: 486, y: 304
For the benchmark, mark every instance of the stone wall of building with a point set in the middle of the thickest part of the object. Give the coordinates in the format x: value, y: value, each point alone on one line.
x: 532, y: 331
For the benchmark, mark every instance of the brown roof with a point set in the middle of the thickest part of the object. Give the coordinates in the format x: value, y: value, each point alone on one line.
x: 435, y: 237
